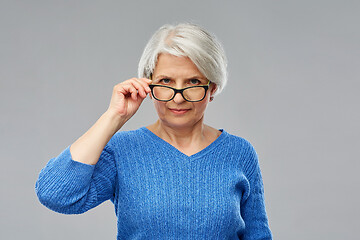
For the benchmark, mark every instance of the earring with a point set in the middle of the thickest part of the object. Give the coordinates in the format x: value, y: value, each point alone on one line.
x: 211, y: 98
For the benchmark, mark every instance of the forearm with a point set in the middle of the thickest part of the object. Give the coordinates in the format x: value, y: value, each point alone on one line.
x: 87, y: 149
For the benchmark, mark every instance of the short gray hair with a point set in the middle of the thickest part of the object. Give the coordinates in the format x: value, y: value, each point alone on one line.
x: 189, y: 40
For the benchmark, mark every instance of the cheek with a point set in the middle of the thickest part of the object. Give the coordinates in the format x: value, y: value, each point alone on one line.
x: 159, y: 106
x: 200, y: 107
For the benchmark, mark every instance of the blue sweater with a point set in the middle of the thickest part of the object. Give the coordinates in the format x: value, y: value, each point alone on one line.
x: 159, y: 192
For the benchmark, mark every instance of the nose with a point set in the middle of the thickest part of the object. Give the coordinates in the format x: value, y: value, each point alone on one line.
x: 178, y: 98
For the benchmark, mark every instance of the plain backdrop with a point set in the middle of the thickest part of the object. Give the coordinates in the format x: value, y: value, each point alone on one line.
x: 293, y: 92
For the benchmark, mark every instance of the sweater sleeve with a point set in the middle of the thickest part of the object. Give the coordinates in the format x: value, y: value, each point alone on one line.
x: 253, y: 207
x: 70, y: 187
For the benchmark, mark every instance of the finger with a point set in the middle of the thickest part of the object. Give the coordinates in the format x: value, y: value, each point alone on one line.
x: 123, y: 88
x: 140, y: 87
x: 140, y: 84
x: 134, y: 94
x: 133, y: 91
x: 129, y: 89
x: 137, y: 85
x: 145, y: 82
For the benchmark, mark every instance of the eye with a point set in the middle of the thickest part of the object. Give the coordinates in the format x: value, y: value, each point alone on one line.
x: 164, y: 81
x: 195, y: 81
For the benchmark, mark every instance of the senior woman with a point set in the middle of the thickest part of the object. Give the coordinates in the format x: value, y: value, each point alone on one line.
x: 176, y: 178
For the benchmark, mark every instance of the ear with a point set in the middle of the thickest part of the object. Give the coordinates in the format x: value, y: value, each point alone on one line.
x: 213, y: 88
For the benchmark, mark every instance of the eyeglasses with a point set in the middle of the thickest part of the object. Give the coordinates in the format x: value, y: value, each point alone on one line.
x: 191, y: 94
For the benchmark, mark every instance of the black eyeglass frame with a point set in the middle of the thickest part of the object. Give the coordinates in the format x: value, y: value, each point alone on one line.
x: 206, y: 87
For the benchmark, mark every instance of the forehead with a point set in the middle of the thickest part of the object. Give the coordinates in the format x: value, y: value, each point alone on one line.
x: 175, y: 66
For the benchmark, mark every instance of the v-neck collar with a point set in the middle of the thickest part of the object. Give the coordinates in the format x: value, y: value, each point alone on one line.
x: 178, y: 152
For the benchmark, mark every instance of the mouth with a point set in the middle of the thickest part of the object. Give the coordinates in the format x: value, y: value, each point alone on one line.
x: 178, y: 111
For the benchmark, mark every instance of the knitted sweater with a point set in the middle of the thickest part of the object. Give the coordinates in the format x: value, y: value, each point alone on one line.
x: 161, y: 193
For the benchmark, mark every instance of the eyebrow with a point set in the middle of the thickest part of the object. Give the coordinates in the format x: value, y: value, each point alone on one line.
x: 194, y: 77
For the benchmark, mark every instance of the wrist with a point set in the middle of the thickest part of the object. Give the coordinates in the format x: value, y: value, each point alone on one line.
x: 115, y: 120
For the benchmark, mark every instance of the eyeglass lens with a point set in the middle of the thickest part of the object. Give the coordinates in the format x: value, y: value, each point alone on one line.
x: 190, y: 94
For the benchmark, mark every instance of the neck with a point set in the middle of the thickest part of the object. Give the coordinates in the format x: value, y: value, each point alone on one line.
x: 182, y: 137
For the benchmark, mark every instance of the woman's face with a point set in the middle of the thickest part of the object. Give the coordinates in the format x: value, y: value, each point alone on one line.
x: 180, y: 72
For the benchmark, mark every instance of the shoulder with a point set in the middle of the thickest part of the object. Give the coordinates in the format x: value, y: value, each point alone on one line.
x: 239, y: 143
x: 245, y: 152
x: 129, y: 133
x: 127, y: 138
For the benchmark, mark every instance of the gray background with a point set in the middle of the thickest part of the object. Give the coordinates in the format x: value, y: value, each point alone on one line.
x: 292, y: 92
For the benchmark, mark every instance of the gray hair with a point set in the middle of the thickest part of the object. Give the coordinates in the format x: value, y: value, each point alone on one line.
x: 188, y: 40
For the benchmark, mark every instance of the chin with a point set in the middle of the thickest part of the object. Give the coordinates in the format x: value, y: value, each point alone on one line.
x: 180, y: 122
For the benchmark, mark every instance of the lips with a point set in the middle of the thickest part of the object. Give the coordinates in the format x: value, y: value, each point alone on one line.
x: 178, y: 111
